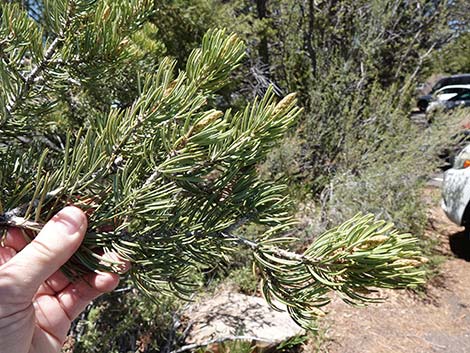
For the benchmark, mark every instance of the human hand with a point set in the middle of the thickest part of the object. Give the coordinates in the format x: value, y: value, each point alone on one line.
x: 37, y: 301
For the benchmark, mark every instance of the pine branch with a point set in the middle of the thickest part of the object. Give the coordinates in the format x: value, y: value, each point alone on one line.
x: 43, y: 139
x: 29, y: 80
x: 6, y: 220
x: 351, y: 259
x: 39, y: 68
x: 167, y: 181
x: 19, y: 212
x: 7, y: 61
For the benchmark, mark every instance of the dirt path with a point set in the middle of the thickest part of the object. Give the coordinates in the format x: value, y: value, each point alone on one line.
x: 439, y: 321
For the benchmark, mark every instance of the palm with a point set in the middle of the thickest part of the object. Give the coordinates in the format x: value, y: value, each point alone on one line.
x: 36, y: 315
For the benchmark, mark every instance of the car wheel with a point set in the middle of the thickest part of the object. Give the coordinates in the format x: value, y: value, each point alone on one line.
x: 422, y: 105
x: 466, y: 220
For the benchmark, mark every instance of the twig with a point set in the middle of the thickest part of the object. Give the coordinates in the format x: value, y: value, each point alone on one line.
x: 19, y: 222
x: 240, y: 240
x: 418, y: 66
x: 187, y: 329
x: 415, y: 72
x: 45, y: 140
x: 152, y: 178
x: 123, y: 290
x: 194, y: 346
x: 29, y: 80
x: 289, y: 255
x: 115, y: 158
x: 8, y: 62
x: 18, y: 212
x: 176, y: 323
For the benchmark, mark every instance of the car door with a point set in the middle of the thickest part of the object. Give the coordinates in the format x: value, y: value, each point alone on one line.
x: 456, y: 188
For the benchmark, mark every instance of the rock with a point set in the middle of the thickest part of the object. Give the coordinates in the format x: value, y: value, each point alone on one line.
x: 229, y: 315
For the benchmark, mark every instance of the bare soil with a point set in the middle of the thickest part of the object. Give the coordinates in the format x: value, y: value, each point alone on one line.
x: 436, y: 320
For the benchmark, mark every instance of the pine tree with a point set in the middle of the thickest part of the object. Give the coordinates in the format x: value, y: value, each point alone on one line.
x: 165, y: 178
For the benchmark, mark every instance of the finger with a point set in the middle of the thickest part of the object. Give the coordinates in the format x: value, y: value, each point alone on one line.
x: 54, y: 284
x: 75, y: 297
x: 51, y: 317
x: 52, y: 247
x: 6, y: 254
x: 55, y: 313
x: 16, y: 239
x: 58, y: 281
x: 43, y: 338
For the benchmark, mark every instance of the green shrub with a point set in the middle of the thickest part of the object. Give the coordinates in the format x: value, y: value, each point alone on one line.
x: 385, y: 170
x: 123, y: 322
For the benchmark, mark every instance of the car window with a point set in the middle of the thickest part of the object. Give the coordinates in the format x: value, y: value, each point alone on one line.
x: 440, y: 84
x: 447, y: 81
x: 452, y: 90
x: 465, y: 95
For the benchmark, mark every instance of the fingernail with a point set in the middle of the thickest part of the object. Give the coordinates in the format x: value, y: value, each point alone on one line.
x: 106, y: 282
x: 71, y: 220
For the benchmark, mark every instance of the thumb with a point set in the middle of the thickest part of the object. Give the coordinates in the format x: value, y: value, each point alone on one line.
x: 51, y: 248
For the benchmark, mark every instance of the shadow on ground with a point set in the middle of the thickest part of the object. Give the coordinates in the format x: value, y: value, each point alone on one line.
x: 460, y: 245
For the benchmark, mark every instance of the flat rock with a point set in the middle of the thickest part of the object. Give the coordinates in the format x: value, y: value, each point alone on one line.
x: 229, y: 315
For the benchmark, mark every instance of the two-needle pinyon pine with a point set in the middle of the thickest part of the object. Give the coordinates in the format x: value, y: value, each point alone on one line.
x: 165, y: 178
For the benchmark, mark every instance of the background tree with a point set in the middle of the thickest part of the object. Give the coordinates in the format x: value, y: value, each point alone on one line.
x: 454, y: 57
x: 354, y: 64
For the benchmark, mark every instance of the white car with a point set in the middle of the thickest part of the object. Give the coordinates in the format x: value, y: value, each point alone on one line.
x: 449, y: 97
x: 462, y: 79
x: 456, y: 189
